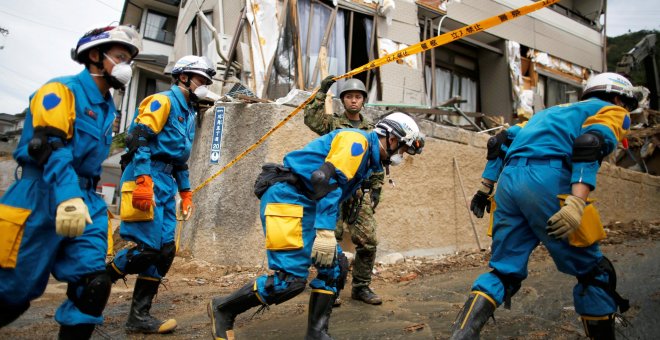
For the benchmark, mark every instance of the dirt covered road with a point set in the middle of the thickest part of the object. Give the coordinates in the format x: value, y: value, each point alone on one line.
x: 421, y: 298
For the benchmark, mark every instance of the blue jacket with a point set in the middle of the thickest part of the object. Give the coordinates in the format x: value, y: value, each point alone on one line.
x: 170, y: 123
x: 552, y: 132
x: 74, y: 106
x: 354, y: 154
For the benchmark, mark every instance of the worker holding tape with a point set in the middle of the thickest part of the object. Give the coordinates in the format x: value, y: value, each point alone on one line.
x: 52, y: 221
x: 158, y: 146
x: 545, y: 172
x: 299, y: 205
x: 357, y: 213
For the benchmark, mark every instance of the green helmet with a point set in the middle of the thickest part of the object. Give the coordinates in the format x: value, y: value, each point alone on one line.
x: 353, y: 84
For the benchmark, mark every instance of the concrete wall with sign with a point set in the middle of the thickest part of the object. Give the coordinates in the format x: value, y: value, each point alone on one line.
x: 424, y: 214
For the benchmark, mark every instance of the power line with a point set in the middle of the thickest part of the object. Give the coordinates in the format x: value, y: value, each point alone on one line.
x: 38, y: 23
x: 106, y: 5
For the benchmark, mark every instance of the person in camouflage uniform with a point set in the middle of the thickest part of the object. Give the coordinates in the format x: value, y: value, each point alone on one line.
x: 362, y: 228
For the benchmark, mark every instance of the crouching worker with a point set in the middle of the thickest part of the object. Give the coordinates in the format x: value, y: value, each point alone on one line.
x: 51, y: 219
x: 159, y: 143
x: 299, y: 206
x: 546, y: 171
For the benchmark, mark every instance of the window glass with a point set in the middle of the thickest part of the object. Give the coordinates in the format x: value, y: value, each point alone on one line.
x: 160, y: 27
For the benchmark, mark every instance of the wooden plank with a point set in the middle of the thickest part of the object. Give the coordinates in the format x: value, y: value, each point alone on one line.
x: 296, y: 44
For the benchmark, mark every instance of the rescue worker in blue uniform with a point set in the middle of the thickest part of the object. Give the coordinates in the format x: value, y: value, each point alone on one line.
x: 299, y: 207
x: 158, y: 147
x: 51, y: 219
x: 546, y: 170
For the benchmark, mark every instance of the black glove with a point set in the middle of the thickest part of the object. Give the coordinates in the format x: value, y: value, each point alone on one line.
x: 480, y: 200
x: 375, y: 197
x: 326, y: 83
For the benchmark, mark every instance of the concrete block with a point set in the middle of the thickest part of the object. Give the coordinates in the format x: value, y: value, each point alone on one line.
x: 393, y: 258
x: 426, y: 126
x: 630, y: 175
x: 412, y: 97
x: 452, y: 134
x: 392, y: 93
x: 398, y: 31
x: 610, y: 170
x: 405, y: 11
x: 651, y: 180
x: 294, y: 98
x: 479, y: 140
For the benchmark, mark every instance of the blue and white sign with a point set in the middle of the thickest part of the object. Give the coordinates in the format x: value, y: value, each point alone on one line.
x: 217, y: 134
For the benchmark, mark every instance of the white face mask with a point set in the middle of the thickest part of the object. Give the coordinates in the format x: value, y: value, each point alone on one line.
x: 396, y: 159
x: 122, y: 71
x: 201, y: 91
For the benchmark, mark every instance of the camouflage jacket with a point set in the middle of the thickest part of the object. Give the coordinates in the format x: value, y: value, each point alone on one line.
x: 321, y: 123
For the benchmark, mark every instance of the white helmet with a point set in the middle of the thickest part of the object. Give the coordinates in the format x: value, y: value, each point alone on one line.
x: 613, y: 83
x: 123, y: 35
x: 404, y: 128
x: 194, y: 64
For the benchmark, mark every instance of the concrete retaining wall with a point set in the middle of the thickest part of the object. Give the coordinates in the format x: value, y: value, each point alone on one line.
x: 424, y: 214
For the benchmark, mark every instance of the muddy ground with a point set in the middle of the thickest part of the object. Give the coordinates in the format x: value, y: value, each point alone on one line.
x: 421, y: 298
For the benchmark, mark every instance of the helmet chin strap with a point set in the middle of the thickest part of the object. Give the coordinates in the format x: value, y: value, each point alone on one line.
x: 112, y: 81
x: 192, y: 97
x: 387, y: 162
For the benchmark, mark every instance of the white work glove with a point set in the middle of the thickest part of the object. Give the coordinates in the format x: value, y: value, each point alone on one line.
x: 71, y: 218
x: 567, y: 219
x: 324, y: 248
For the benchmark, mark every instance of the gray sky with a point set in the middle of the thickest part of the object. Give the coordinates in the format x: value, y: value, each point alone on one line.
x: 42, y: 33
x: 633, y: 15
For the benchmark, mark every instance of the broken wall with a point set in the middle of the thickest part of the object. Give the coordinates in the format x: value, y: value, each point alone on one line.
x: 425, y: 213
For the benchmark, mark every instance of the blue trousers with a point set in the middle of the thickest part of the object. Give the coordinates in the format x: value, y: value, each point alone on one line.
x: 43, y: 252
x: 526, y: 197
x: 152, y: 234
x: 287, y: 217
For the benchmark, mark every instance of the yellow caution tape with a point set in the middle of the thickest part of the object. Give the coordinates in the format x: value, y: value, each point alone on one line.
x: 257, y: 143
x: 410, y: 50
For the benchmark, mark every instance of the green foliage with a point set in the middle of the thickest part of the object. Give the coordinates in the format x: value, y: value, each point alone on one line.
x: 618, y: 46
x: 118, y: 141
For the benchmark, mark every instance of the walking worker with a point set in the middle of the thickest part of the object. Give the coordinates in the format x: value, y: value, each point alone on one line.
x: 299, y: 206
x: 545, y: 177
x: 51, y: 219
x: 158, y: 147
x: 357, y: 212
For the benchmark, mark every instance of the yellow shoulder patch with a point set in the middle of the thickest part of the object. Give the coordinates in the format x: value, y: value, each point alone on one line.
x: 613, y: 117
x: 346, y: 152
x: 154, y: 111
x: 53, y: 105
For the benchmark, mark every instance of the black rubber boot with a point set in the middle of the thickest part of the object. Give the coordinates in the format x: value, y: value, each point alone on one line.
x: 366, y: 295
x: 472, y: 317
x: 320, y: 308
x: 76, y: 332
x: 223, y: 310
x: 9, y: 313
x: 599, y: 327
x: 139, y: 319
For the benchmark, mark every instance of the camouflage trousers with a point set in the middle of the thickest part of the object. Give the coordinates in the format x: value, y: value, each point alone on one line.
x: 363, y: 235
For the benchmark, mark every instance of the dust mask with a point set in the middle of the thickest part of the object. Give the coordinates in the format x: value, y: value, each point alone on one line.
x: 396, y: 159
x: 122, y: 71
x: 201, y: 91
